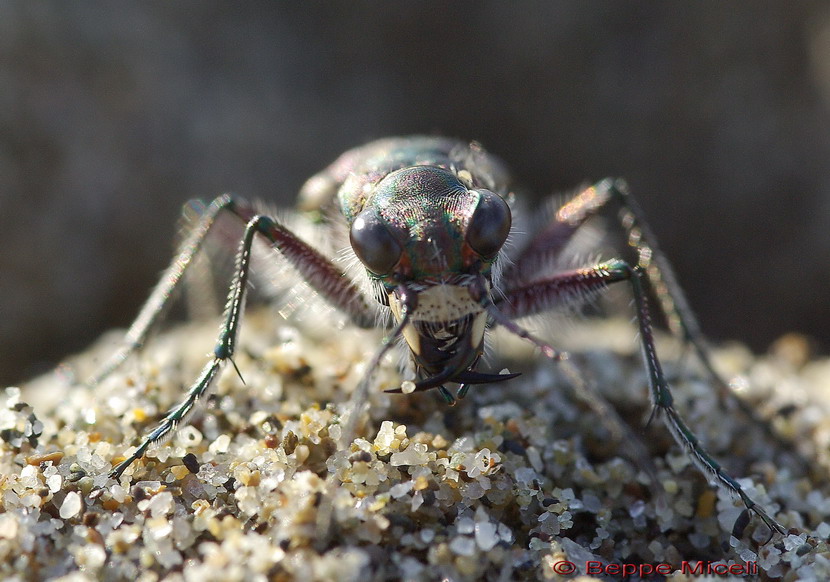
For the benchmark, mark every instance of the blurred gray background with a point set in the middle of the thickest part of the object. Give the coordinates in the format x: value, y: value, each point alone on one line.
x: 112, y: 114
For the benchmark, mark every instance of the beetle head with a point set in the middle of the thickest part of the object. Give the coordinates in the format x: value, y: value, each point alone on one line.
x: 423, y: 223
x: 425, y: 233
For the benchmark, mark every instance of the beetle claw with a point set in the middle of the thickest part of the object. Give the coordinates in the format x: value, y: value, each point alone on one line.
x: 465, y: 378
x: 472, y: 377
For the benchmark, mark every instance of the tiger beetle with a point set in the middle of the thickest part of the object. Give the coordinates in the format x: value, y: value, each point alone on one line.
x: 428, y: 218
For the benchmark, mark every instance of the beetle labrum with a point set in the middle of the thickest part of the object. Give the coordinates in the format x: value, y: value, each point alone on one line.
x: 428, y: 219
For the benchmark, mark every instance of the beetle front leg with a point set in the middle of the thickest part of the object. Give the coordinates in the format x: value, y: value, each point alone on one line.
x: 550, y: 240
x: 312, y: 266
x: 662, y: 402
x: 224, y: 350
x: 541, y: 295
x: 675, y: 307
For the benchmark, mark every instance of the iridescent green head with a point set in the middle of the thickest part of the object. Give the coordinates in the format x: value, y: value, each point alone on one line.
x: 425, y: 224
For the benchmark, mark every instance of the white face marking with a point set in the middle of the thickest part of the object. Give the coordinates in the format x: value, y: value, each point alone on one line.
x: 440, y: 304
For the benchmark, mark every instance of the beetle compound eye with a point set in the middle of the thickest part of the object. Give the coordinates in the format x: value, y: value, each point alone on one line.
x: 374, y: 244
x: 489, y: 224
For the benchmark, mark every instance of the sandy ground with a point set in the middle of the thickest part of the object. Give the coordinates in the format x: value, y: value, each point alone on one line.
x: 520, y: 481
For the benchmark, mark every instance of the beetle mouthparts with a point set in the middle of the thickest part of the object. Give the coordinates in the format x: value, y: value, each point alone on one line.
x: 463, y: 377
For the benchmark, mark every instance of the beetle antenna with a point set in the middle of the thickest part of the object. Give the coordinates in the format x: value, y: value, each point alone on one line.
x: 361, y: 393
x: 479, y: 294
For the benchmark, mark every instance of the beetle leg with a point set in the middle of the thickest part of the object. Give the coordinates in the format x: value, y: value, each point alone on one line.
x: 550, y: 240
x: 546, y: 244
x: 326, y: 278
x: 224, y: 350
x: 160, y: 297
x: 312, y: 266
x: 357, y: 404
x: 315, y: 268
x: 662, y: 402
x: 670, y: 297
x: 509, y: 307
x: 408, y: 300
x: 675, y: 307
x: 541, y: 295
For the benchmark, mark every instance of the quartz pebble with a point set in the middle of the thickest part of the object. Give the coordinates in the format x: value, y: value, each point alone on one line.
x: 485, y: 535
x: 71, y: 505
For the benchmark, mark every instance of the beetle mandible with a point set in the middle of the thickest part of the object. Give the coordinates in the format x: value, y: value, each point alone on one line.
x: 428, y: 218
